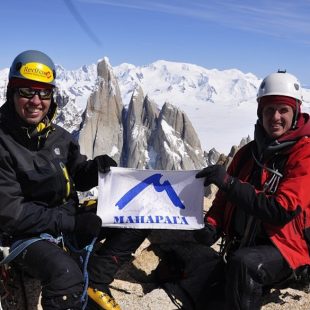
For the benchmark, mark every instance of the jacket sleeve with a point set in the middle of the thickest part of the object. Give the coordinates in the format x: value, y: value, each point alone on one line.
x: 260, y: 205
x: 83, y: 172
x: 290, y: 197
x: 19, y: 217
x: 215, y: 215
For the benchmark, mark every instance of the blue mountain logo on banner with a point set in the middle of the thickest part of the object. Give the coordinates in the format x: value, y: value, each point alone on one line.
x: 155, y: 181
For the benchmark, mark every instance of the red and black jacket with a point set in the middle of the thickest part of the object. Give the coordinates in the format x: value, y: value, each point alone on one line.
x: 284, y: 214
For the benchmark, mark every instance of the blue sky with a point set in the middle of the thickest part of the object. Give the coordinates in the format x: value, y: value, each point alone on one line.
x: 253, y: 36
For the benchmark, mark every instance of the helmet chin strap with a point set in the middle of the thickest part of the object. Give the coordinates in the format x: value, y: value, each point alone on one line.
x: 294, y: 123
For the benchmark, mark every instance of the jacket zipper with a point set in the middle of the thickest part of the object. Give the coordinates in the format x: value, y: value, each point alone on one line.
x: 62, y: 193
x: 67, y: 178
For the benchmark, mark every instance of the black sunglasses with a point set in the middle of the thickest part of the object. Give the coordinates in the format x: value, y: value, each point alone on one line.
x: 30, y: 93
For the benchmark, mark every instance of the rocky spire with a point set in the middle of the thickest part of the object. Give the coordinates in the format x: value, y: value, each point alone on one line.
x: 102, y: 130
x: 175, y: 141
x: 141, y: 137
x: 140, y: 122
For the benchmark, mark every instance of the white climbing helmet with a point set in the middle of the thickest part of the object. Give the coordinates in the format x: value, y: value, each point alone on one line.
x: 280, y: 83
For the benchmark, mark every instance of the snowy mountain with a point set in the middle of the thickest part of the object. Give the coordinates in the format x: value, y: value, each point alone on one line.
x: 141, y: 136
x: 220, y: 104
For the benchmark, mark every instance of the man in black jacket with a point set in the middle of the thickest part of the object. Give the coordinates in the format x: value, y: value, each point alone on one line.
x: 41, y: 170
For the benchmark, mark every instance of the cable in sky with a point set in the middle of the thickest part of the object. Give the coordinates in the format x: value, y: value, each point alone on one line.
x: 81, y: 21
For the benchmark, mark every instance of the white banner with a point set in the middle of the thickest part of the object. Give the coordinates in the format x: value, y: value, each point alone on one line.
x: 156, y: 199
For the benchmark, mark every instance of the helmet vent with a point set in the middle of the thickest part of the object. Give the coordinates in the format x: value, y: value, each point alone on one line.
x: 262, y: 85
x: 18, y: 66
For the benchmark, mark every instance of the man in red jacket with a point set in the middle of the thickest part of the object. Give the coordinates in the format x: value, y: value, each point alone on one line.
x: 262, y: 208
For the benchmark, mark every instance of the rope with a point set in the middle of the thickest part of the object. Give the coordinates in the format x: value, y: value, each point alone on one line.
x: 89, y: 249
x: 276, y: 172
x: 84, y: 262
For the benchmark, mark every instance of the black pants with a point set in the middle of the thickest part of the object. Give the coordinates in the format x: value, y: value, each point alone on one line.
x: 249, y: 270
x: 117, y: 249
x: 61, y: 277
x: 240, y: 282
x: 60, y: 273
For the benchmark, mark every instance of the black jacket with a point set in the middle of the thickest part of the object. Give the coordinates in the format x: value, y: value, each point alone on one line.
x: 40, y: 173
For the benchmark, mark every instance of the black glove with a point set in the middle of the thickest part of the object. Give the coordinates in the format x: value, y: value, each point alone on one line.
x: 87, y: 225
x: 217, y: 175
x: 104, y: 162
x: 207, y: 235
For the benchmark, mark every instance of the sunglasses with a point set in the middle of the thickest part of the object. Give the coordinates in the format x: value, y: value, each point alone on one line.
x: 30, y: 93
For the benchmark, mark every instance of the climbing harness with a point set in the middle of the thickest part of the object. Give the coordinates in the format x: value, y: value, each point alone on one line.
x: 270, y: 187
x: 19, y: 246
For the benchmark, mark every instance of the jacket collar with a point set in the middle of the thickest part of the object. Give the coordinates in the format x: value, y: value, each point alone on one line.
x: 31, y: 136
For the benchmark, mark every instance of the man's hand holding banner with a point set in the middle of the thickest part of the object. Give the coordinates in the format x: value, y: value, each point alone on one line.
x: 156, y: 199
